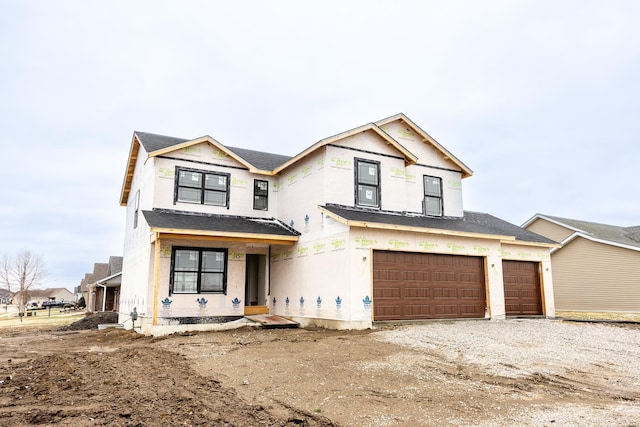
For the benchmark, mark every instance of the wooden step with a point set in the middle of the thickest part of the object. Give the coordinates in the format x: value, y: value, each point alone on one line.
x: 272, y: 321
x: 250, y: 310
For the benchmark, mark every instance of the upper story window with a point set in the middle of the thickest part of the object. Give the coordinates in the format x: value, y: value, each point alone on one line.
x: 136, y: 209
x: 207, y: 188
x: 367, y: 183
x: 195, y: 270
x: 260, y: 195
x: 432, y: 195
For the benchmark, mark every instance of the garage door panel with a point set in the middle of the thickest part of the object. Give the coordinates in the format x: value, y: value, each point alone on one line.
x: 388, y: 311
x: 387, y: 275
x: 444, y: 276
x: 471, y: 310
x: 416, y: 276
x: 387, y: 292
x: 448, y: 310
x: 476, y: 294
x: 417, y: 311
x: 511, y: 293
x: 433, y: 286
x: 417, y: 293
x: 468, y: 278
x: 445, y: 293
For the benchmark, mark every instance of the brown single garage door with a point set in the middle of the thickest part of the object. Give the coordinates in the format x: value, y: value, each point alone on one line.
x: 410, y: 285
x: 522, y: 294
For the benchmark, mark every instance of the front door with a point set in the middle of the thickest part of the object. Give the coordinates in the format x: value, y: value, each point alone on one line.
x: 255, y: 296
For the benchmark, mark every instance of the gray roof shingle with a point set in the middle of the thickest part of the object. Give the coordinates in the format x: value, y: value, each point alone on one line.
x: 153, y: 142
x: 472, y: 222
x: 261, y: 160
x: 115, y: 265
x: 160, y: 218
x: 621, y: 235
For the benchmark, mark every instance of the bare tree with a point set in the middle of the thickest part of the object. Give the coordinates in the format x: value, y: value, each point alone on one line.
x: 5, y: 268
x: 25, y: 271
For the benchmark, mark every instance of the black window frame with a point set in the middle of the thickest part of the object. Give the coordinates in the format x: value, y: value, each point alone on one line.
x: 199, y: 271
x: 432, y: 195
x: 359, y: 181
x: 260, y: 194
x: 202, y: 186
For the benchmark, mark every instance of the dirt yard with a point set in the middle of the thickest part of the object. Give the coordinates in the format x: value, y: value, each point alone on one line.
x: 475, y: 373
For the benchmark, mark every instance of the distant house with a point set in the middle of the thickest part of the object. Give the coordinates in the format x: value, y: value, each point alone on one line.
x: 360, y: 227
x: 596, y: 271
x: 39, y: 296
x: 99, y: 272
x: 5, y: 296
x: 104, y: 292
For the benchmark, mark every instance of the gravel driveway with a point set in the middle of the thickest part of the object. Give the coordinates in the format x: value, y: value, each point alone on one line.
x: 594, y: 358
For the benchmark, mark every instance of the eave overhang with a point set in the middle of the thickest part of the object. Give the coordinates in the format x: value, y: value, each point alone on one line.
x: 158, y: 233
x: 131, y: 165
x: 413, y: 229
x: 437, y: 231
x: 593, y: 239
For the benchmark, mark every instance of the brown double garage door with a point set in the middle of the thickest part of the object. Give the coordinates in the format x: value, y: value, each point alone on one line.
x: 411, y: 286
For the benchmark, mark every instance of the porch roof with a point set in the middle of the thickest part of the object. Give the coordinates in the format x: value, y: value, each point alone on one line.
x: 221, y: 227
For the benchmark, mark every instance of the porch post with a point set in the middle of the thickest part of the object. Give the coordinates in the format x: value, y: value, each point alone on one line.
x: 156, y: 278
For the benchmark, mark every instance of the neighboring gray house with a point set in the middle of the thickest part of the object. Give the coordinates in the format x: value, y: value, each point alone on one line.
x: 596, y: 270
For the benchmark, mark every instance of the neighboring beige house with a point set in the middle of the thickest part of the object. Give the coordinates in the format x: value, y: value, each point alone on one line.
x: 361, y: 227
x: 596, y: 271
x: 50, y: 294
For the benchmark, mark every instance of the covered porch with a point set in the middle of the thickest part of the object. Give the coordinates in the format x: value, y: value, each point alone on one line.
x: 209, y: 269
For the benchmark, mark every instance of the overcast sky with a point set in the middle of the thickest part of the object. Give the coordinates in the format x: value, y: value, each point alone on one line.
x: 539, y: 98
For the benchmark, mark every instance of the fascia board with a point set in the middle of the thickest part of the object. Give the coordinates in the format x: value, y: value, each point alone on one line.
x: 106, y: 279
x: 129, y: 171
x: 596, y: 240
x: 535, y: 244
x: 158, y: 231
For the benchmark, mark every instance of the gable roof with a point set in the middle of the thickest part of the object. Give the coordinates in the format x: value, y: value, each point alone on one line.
x: 466, y: 171
x: 157, y: 145
x: 409, y: 158
x: 473, y: 224
x: 114, y: 265
x: 268, y: 163
x: 212, y: 225
x: 624, y: 237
